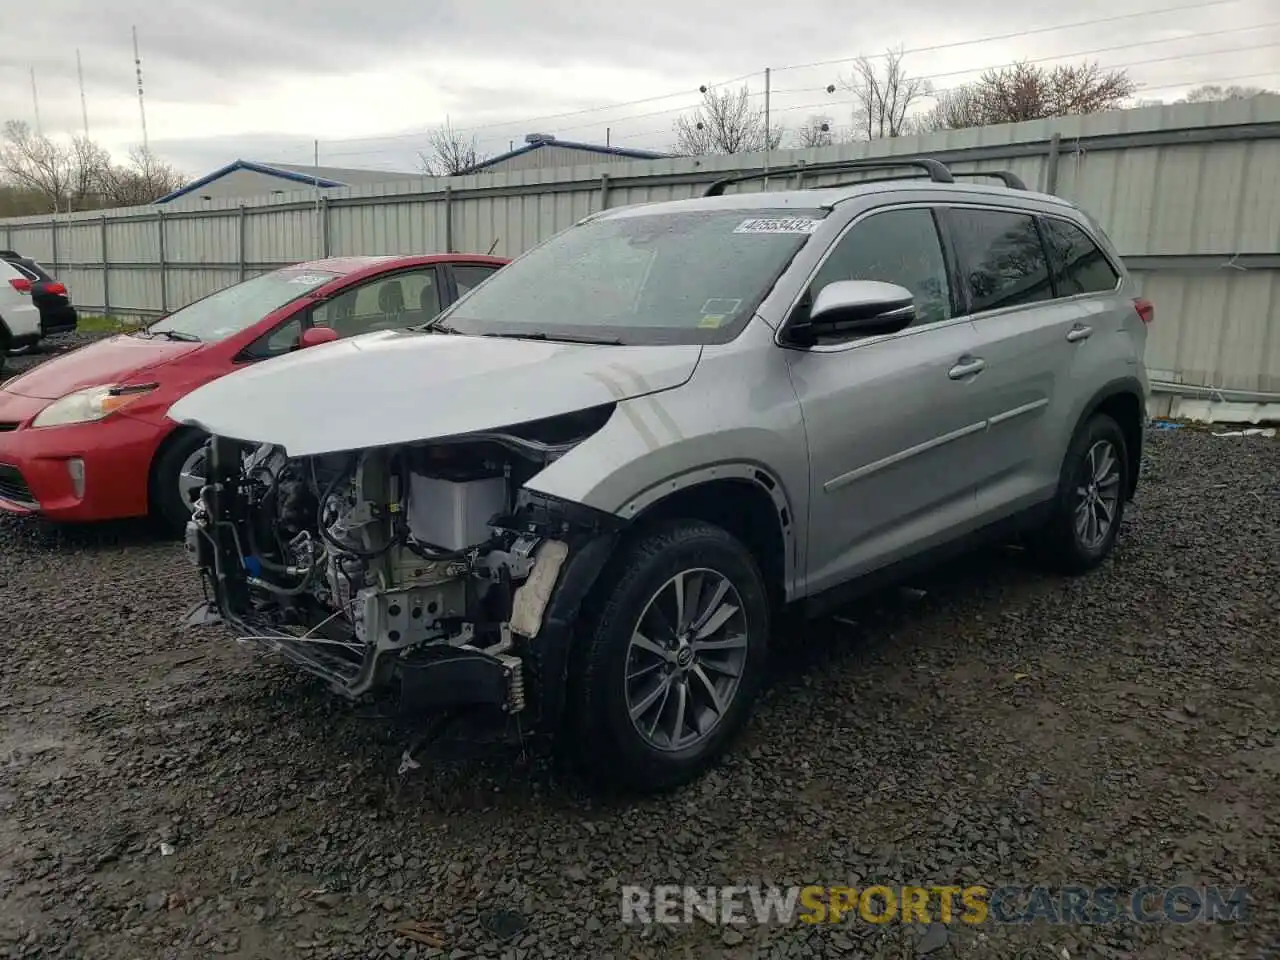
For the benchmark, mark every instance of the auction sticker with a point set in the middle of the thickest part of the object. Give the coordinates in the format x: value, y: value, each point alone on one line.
x: 778, y: 225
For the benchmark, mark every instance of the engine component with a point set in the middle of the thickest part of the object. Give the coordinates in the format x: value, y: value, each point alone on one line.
x: 411, y: 616
x: 453, y: 514
x: 417, y: 563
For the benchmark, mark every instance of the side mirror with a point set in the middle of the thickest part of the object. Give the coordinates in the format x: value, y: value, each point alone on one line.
x: 859, y: 308
x: 314, y: 336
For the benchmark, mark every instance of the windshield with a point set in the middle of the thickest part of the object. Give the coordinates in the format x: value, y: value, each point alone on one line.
x: 235, y: 308
x: 692, y: 277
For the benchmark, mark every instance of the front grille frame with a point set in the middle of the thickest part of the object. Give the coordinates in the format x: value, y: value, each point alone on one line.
x: 13, y: 487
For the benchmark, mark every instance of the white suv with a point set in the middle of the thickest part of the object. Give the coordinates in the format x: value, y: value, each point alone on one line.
x: 19, y: 316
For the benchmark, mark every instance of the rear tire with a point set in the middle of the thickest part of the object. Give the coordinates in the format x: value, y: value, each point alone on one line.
x: 169, y: 511
x: 671, y: 657
x: 1087, y: 511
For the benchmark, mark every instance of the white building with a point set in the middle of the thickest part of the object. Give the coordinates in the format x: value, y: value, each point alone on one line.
x: 254, y: 179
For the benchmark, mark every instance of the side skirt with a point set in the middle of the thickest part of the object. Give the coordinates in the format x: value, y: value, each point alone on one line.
x: 838, y: 596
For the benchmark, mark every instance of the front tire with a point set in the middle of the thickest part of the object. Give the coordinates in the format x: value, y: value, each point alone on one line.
x: 1082, y: 529
x: 671, y: 657
x: 176, y: 478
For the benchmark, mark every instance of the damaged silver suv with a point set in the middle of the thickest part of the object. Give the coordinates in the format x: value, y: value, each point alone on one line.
x: 581, y: 495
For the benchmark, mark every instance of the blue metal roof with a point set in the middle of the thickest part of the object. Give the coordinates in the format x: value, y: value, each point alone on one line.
x: 572, y: 145
x: 254, y: 168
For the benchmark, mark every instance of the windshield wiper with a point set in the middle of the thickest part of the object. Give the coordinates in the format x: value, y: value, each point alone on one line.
x: 558, y: 338
x: 432, y: 327
x: 175, y: 335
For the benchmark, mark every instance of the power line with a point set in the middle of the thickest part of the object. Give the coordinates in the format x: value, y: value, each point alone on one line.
x: 1111, y: 49
x: 829, y: 102
x: 1218, y: 81
x: 1018, y: 34
x: 1200, y: 4
x: 1134, y: 63
x: 1000, y: 66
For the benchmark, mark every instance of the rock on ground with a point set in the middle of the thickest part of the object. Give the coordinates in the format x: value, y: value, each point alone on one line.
x: 163, y: 794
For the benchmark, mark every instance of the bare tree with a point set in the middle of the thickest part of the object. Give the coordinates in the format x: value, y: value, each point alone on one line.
x: 816, y: 132
x: 1026, y: 91
x: 33, y: 162
x: 90, y: 167
x: 726, y: 122
x: 883, y: 95
x: 953, y: 109
x: 144, y: 179
x: 1212, y: 91
x: 80, y: 175
x: 449, y: 153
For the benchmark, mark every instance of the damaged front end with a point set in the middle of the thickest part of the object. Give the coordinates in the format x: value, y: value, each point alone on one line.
x: 423, y: 566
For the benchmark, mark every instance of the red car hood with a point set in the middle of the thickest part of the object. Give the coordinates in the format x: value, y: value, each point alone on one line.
x: 109, y: 361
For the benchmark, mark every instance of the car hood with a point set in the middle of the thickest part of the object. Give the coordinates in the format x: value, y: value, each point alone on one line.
x: 402, y: 386
x: 114, y: 360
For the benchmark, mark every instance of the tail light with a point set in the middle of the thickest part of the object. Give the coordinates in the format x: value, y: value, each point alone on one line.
x: 21, y: 284
x: 1146, y: 310
x: 56, y: 286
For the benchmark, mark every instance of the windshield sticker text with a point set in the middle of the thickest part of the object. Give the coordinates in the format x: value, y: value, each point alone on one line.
x: 311, y: 279
x: 778, y: 225
x: 720, y: 306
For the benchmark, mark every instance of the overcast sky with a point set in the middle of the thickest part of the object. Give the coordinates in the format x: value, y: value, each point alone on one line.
x: 262, y: 79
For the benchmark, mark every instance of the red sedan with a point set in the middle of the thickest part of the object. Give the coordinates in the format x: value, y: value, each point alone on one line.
x: 84, y: 436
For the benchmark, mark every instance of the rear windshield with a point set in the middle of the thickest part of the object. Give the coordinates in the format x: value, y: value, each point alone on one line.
x: 240, y: 306
x: 689, y: 277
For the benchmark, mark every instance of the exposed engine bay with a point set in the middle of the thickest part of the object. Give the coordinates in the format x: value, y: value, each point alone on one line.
x: 423, y: 563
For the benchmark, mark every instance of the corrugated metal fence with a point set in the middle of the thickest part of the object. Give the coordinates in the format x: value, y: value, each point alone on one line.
x: 1189, y: 193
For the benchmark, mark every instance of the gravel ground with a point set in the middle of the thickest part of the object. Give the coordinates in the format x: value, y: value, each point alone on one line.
x: 1005, y: 727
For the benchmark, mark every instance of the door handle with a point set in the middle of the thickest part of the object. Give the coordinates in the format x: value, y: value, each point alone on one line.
x: 967, y: 367
x: 1076, y: 334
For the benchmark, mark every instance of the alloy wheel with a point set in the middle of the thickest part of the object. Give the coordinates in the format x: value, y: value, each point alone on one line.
x: 191, y: 476
x: 685, y: 659
x: 1097, y: 495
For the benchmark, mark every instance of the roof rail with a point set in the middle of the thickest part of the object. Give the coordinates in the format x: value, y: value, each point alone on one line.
x: 1011, y: 180
x: 936, y: 170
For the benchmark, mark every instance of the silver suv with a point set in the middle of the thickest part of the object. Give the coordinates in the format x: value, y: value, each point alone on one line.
x: 582, y: 494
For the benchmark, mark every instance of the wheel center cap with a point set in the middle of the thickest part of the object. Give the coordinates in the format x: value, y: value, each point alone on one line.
x: 684, y: 657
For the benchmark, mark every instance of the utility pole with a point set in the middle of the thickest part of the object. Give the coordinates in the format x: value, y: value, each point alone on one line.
x: 35, y: 102
x: 316, y: 225
x: 84, y: 106
x: 768, y: 128
x: 142, y: 110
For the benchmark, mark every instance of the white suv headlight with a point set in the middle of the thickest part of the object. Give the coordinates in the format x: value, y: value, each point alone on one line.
x: 89, y: 404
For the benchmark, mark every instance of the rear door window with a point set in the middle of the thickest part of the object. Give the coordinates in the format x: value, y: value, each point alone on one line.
x: 1002, y: 259
x: 1079, y: 266
x: 389, y: 302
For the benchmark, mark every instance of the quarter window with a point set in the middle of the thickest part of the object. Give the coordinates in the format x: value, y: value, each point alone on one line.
x: 468, y: 275
x: 278, y: 342
x: 897, y: 246
x: 1079, y: 265
x: 1002, y: 259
